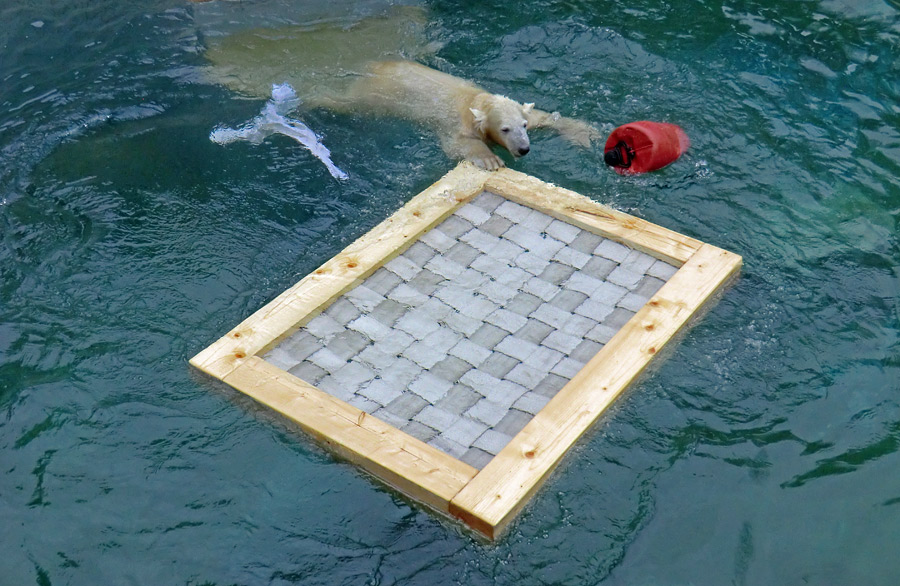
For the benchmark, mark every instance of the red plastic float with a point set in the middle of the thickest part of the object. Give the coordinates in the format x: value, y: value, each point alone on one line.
x: 644, y: 146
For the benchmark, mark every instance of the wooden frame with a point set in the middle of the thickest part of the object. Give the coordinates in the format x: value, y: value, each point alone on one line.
x: 489, y: 499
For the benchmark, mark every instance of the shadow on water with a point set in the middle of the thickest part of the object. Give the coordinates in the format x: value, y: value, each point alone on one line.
x: 851, y: 460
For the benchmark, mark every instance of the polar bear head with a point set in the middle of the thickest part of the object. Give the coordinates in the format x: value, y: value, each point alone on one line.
x: 503, y: 121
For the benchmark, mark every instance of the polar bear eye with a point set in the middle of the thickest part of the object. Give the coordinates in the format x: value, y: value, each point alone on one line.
x: 505, y: 129
x: 525, y: 124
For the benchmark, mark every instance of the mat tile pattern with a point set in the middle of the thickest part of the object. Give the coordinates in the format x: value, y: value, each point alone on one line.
x: 461, y: 339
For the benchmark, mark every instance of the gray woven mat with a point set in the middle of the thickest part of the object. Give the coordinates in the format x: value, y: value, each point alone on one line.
x: 460, y: 340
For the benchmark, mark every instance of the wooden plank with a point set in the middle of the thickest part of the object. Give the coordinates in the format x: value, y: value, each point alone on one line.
x: 424, y: 473
x: 587, y: 214
x: 488, y: 500
x: 498, y: 492
x: 287, y: 312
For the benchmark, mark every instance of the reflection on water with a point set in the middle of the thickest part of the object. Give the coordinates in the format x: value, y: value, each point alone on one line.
x: 764, y: 450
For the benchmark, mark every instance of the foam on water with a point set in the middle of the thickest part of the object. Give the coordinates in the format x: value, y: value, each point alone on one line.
x: 273, y: 120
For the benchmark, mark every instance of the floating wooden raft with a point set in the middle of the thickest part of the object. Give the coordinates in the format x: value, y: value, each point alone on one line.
x: 463, y: 345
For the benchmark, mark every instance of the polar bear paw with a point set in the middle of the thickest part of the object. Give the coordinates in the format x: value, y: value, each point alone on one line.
x: 578, y: 132
x: 489, y: 162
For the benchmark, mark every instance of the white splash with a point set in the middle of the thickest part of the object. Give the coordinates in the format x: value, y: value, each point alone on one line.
x: 273, y: 120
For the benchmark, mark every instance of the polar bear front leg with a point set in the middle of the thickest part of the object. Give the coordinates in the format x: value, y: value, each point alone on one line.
x: 473, y: 150
x: 575, y: 131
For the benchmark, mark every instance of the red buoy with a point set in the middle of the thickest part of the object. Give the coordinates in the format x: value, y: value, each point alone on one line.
x: 644, y: 146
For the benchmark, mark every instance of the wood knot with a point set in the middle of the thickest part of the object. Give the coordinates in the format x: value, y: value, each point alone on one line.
x: 321, y: 271
x: 649, y: 327
x: 652, y: 350
x: 239, y: 355
x: 417, y: 214
x: 530, y: 454
x: 352, y: 264
x: 236, y: 335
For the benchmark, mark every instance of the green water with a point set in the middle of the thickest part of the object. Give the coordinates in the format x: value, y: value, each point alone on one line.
x: 763, y: 451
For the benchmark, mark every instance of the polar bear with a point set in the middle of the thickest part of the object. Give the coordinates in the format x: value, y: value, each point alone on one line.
x: 468, y: 118
x: 370, y: 68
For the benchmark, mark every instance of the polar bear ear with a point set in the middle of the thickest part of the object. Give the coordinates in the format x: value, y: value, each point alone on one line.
x: 480, y: 118
x: 526, y: 108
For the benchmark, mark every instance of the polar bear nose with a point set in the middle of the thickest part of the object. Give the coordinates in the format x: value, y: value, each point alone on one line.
x: 524, y: 151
